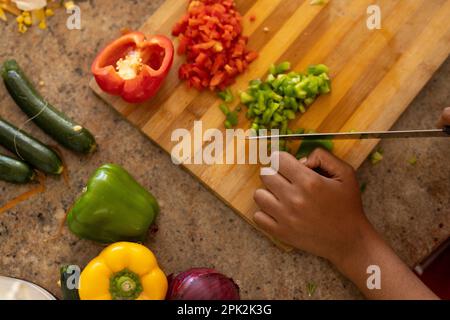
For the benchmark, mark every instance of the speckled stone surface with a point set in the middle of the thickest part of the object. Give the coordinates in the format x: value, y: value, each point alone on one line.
x: 409, y: 205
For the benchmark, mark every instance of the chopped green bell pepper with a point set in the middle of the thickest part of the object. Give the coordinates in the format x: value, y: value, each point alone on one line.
x: 276, y: 100
x: 226, y: 95
x: 231, y: 116
x: 113, y: 207
x: 308, y: 146
x: 376, y: 157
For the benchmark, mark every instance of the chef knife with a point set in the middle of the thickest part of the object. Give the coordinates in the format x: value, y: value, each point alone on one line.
x: 430, y: 133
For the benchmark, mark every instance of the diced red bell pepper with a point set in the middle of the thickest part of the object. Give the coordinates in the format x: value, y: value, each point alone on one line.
x: 183, y: 42
x: 196, y: 82
x: 252, y: 55
x: 201, y: 58
x: 239, y: 65
x: 155, y: 59
x: 210, y: 35
x: 217, y: 79
x: 230, y: 70
x: 181, y: 25
x: 218, y: 63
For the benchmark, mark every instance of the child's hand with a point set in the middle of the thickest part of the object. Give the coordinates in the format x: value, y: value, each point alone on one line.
x: 319, y: 213
x: 323, y: 214
x: 445, y: 118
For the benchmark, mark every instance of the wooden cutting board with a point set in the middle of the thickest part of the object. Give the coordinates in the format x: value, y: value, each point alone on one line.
x: 375, y: 75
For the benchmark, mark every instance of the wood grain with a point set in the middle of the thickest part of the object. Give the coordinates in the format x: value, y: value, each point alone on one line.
x: 375, y: 75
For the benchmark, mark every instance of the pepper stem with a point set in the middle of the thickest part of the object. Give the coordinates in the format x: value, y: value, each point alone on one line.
x: 125, y: 285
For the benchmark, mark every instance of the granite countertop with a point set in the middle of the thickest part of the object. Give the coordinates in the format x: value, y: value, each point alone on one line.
x: 409, y: 205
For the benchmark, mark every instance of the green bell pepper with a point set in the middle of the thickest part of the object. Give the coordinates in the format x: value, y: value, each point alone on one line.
x: 275, y: 101
x: 308, y: 146
x: 113, y: 207
x: 226, y: 95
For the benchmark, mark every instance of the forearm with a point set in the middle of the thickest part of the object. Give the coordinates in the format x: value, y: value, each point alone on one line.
x: 396, y: 279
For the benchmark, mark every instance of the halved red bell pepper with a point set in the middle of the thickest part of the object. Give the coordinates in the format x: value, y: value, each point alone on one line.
x: 133, y: 66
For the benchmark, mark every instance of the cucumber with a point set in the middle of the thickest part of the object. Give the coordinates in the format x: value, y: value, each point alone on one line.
x: 12, y: 170
x: 68, y: 294
x: 52, y: 121
x: 29, y: 149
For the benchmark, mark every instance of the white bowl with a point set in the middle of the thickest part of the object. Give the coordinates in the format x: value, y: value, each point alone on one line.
x: 16, y: 289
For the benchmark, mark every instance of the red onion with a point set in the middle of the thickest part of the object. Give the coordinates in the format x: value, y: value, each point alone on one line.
x: 202, y: 284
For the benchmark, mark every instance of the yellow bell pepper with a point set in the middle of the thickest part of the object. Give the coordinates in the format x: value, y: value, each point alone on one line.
x: 123, y: 271
x: 3, y: 15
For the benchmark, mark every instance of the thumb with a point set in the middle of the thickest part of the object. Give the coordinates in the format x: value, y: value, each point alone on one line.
x: 445, y: 118
x: 327, y: 164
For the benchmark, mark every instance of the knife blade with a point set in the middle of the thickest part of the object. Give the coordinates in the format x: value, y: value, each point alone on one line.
x: 429, y: 133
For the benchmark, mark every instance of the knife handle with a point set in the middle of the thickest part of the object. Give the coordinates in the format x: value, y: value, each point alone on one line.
x: 447, y: 130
